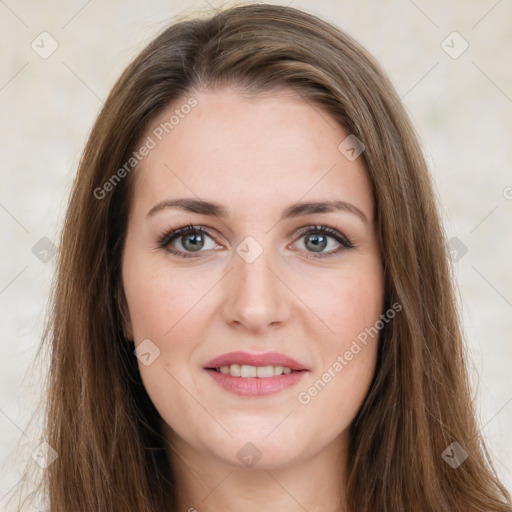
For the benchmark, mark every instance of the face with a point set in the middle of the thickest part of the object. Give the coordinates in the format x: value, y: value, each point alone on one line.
x: 248, y: 321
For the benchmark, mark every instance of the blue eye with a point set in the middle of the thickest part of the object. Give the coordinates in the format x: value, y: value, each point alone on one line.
x: 187, y: 240
x: 318, y: 238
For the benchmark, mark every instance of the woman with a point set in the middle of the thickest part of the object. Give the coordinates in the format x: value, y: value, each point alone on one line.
x: 253, y: 301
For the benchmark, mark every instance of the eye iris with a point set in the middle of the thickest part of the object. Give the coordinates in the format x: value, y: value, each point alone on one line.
x: 192, y: 242
x: 319, y: 242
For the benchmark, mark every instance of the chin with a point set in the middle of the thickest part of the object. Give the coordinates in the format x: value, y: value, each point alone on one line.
x: 258, y: 452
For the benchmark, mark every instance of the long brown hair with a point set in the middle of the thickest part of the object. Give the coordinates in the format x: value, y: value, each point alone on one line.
x: 100, y: 420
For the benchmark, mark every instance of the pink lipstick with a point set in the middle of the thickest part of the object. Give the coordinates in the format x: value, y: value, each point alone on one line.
x: 246, y: 374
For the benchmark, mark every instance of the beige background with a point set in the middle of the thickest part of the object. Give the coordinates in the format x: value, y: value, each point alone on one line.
x: 462, y: 108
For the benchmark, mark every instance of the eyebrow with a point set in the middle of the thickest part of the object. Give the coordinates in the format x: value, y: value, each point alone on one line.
x: 215, y: 209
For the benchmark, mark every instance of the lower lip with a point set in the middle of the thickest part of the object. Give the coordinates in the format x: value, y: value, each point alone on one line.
x: 256, y: 386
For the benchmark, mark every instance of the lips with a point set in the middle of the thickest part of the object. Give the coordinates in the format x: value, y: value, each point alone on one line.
x: 246, y: 358
x: 255, y: 375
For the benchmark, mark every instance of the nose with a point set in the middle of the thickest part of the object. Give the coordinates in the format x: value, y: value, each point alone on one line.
x: 256, y: 296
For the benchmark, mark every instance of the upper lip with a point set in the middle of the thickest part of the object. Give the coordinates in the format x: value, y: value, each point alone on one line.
x: 261, y: 359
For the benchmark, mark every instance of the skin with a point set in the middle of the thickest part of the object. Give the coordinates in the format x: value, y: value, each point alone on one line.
x: 256, y: 156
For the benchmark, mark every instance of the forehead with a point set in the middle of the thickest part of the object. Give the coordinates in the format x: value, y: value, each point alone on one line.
x: 253, y: 154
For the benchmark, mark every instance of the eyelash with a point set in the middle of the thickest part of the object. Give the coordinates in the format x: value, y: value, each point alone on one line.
x: 166, y: 238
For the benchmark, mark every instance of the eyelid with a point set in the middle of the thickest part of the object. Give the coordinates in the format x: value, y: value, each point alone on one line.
x: 327, y: 230
x: 342, y: 240
x: 167, y: 236
x: 164, y: 240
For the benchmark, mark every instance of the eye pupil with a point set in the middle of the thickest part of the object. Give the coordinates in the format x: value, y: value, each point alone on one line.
x: 319, y: 242
x: 192, y: 242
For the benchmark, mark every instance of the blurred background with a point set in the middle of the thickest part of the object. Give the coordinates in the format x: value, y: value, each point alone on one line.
x: 448, y: 61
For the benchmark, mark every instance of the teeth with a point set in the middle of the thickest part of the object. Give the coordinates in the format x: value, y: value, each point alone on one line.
x: 248, y: 371
x: 265, y: 371
x: 245, y: 370
x: 235, y: 370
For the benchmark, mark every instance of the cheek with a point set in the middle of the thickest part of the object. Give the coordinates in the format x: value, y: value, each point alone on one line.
x: 167, y: 309
x: 347, y: 302
x: 349, y: 307
x: 348, y: 354
x: 171, y: 309
x: 160, y: 300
